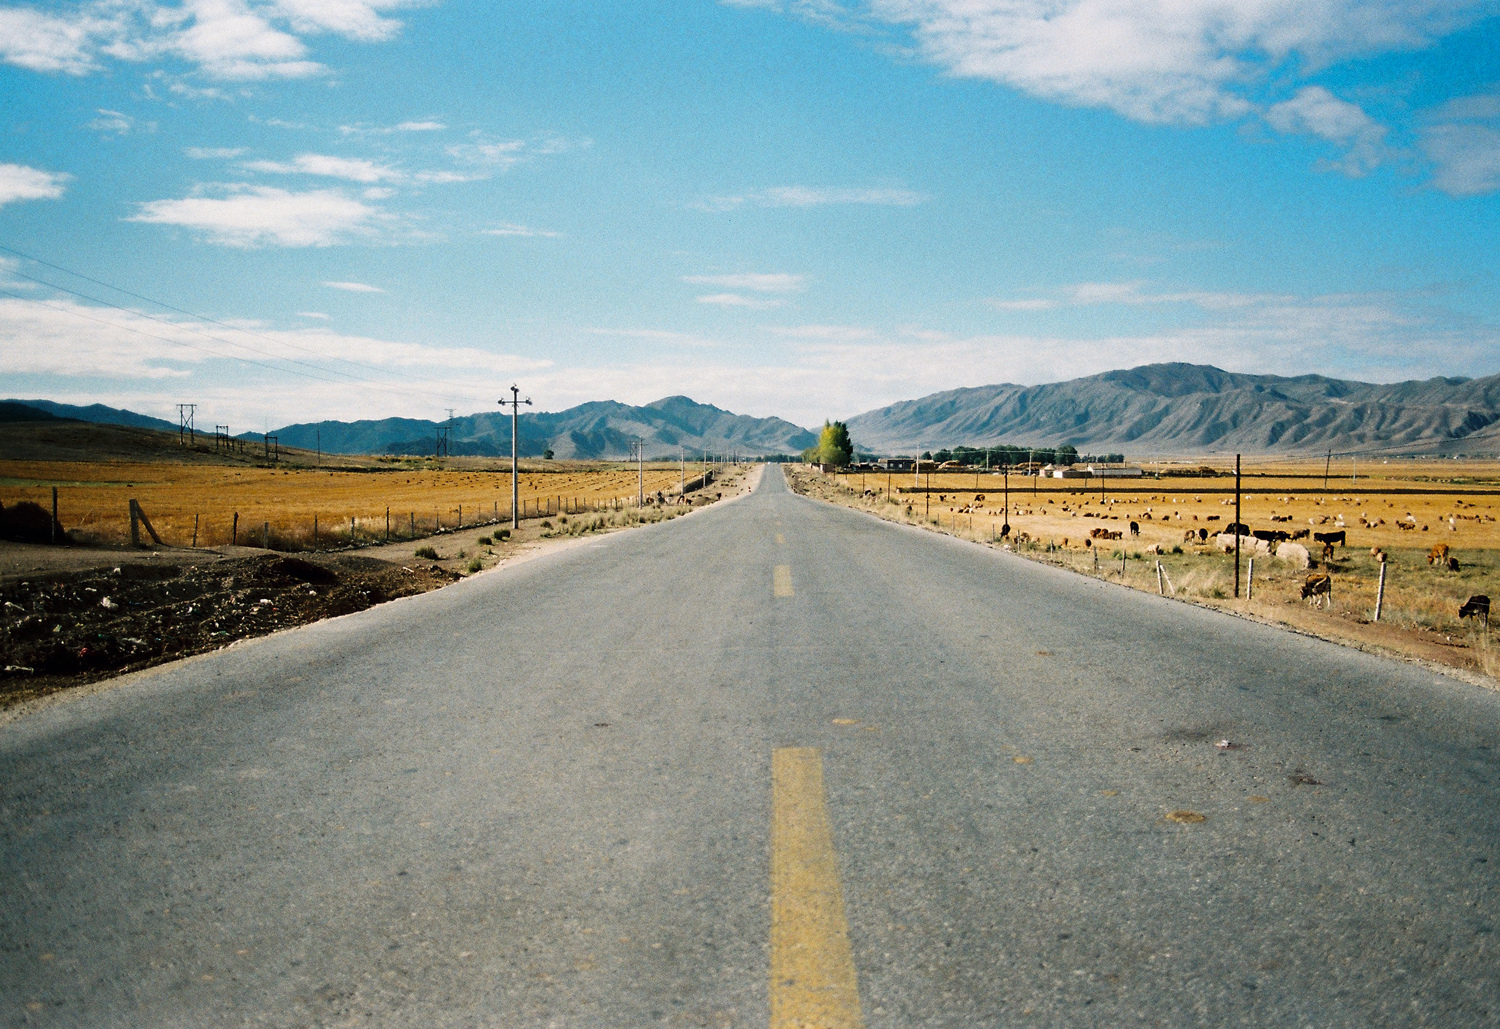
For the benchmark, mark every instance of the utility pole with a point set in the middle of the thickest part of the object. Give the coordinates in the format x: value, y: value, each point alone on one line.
x: 185, y: 422
x: 1327, y: 463
x: 320, y: 448
x: 682, y: 454
x: 638, y: 452
x: 1005, y: 528
x: 515, y: 403
x: 1238, y: 528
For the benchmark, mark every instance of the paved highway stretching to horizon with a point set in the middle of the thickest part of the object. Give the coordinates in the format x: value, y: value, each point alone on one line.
x: 776, y: 763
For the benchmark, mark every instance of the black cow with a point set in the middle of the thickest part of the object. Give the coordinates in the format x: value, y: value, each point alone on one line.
x: 1135, y: 528
x: 1271, y: 535
x: 1237, y: 528
x: 1476, y: 607
x: 1330, y: 537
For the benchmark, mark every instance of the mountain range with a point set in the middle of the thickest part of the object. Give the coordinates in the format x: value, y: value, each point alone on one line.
x: 1186, y: 409
x: 602, y: 429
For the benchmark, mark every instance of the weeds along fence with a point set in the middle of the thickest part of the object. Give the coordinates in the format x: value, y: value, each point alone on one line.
x: 319, y: 531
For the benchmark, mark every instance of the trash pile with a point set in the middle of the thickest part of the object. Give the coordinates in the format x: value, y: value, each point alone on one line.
x: 61, y: 630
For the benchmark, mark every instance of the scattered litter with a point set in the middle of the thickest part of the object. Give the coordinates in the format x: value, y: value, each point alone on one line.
x: 1020, y: 760
x: 845, y: 721
x: 14, y: 669
x: 1223, y: 744
x: 1301, y: 778
x: 106, y: 603
x: 1260, y: 800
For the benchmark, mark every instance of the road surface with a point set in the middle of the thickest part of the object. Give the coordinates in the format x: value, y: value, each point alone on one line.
x: 774, y: 762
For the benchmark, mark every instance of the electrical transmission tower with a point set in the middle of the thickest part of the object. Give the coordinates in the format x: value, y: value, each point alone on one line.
x: 185, y: 423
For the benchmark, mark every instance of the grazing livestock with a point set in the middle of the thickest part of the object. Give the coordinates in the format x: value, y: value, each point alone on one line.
x: 1301, y: 534
x: 1317, y: 587
x: 1477, y: 606
x: 1453, y: 564
x: 1330, y: 537
x: 1135, y: 528
x: 1438, y: 555
x: 1189, y: 535
x: 1328, y: 552
x: 1237, y: 529
x: 1271, y: 535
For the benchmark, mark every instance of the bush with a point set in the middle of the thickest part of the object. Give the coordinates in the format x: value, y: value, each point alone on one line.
x: 503, y: 534
x: 475, y: 565
x: 546, y: 523
x: 484, y: 541
x: 427, y: 552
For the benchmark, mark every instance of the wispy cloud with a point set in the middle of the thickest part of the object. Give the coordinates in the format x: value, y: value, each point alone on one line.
x: 1315, y: 111
x: 736, y: 300
x: 18, y: 182
x: 1462, y: 138
x: 354, y: 287
x: 225, y: 39
x: 250, y: 216
x: 214, y: 153
x: 762, y: 282
x: 385, y: 130
x: 114, y: 122
x: 812, y: 196
x: 353, y: 169
x: 1132, y: 294
x: 318, y: 315
x: 508, y: 229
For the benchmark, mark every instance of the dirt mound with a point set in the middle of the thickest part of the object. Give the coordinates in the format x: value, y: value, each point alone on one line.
x: 65, y: 629
x: 27, y: 523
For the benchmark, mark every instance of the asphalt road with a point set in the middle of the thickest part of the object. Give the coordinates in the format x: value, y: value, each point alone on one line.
x: 544, y: 797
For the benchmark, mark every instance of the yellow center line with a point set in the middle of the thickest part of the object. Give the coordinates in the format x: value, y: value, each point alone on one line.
x: 813, y: 984
x: 781, y: 582
x: 780, y: 538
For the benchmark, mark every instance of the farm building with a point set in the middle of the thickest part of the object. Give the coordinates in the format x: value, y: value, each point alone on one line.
x: 1114, y: 471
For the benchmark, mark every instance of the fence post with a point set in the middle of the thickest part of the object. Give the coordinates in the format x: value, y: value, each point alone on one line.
x: 460, y: 516
x: 1250, y: 581
x: 1161, y: 587
x: 265, y: 535
x: 387, y: 523
x: 54, y: 514
x: 135, y: 525
x: 413, y: 524
x: 234, y: 531
x: 195, y: 532
x: 1380, y: 592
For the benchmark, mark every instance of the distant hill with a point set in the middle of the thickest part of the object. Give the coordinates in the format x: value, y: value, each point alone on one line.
x: 99, y: 414
x: 1198, y: 409
x: 589, y: 431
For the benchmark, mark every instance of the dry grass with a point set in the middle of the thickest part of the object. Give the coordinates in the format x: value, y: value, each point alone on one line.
x: 1419, y: 614
x: 348, y: 505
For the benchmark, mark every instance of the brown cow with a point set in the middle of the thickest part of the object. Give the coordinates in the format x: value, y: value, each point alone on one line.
x: 1438, y: 555
x: 1330, y: 537
x: 1318, y: 586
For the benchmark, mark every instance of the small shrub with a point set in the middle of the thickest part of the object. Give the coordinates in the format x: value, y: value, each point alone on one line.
x: 502, y: 535
x: 546, y: 523
x: 1177, y: 549
x: 427, y: 552
x: 484, y: 541
x: 562, y: 520
x: 462, y: 555
x: 475, y: 565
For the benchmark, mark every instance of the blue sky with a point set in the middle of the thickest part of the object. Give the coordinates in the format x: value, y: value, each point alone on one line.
x: 806, y: 208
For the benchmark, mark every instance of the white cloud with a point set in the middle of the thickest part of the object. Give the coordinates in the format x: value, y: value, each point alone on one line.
x: 811, y: 196
x: 319, y: 315
x: 767, y: 282
x: 1094, y: 294
x: 1029, y: 304
x: 385, y: 130
x: 500, y: 154
x: 353, y: 169
x: 1316, y: 111
x: 18, y: 182
x: 1184, y: 61
x: 1463, y: 140
x: 226, y: 39
x: 736, y: 300
x: 221, y: 153
x: 507, y: 229
x: 354, y: 287
x: 112, y: 121
x: 247, y: 216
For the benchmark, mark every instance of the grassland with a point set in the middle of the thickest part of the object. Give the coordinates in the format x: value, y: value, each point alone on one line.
x: 1402, y: 508
x: 349, y: 505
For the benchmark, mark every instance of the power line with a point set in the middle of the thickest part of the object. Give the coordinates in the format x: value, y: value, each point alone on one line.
x: 203, y: 318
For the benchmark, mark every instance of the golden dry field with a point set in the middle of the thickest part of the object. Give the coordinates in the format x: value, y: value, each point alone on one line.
x: 1403, y: 508
x: 93, y: 497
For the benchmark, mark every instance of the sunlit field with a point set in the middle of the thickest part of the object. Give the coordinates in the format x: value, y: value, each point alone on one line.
x: 291, y: 504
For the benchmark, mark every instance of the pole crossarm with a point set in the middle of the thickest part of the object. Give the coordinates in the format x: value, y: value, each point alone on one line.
x: 514, y: 403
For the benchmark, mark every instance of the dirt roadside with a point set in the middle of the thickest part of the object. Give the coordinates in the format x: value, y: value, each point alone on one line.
x: 1469, y: 657
x: 75, y: 615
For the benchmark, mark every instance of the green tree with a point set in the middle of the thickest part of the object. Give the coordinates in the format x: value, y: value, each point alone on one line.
x: 834, y: 445
x: 1067, y: 454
